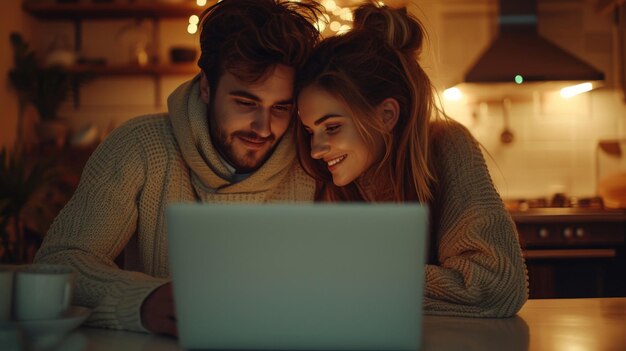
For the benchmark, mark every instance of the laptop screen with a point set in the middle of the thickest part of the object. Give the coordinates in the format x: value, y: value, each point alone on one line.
x: 296, y: 276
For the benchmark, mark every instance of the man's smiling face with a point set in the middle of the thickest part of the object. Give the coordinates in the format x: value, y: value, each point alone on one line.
x: 247, y: 120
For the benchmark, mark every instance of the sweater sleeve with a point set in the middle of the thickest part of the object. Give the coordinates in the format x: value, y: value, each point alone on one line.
x: 95, y: 226
x: 480, y: 270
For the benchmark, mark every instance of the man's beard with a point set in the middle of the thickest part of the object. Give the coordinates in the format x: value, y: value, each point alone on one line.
x: 247, y: 162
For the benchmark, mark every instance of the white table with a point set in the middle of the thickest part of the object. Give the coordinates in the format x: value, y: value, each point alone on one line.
x: 595, y: 324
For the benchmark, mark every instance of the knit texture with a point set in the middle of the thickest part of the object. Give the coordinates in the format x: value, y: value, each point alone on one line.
x: 125, y: 187
x: 479, y: 270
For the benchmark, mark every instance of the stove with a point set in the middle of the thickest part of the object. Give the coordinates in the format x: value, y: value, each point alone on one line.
x: 574, y: 246
x: 556, y: 201
x: 562, y: 207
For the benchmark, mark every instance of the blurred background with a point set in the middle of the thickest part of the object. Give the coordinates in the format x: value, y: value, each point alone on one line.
x: 73, y: 70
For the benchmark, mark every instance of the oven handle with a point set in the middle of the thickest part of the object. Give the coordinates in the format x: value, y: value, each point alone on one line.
x: 569, y: 253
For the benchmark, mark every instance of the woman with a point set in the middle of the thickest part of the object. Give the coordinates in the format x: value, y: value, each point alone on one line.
x: 369, y: 130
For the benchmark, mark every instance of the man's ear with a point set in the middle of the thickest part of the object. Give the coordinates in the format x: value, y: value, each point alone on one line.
x: 204, y: 88
x: 389, y: 111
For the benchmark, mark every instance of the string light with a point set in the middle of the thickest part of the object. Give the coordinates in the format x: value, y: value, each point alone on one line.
x: 320, y: 25
x: 346, y: 15
x: 330, y: 5
x: 192, y: 28
x: 340, y: 18
x: 337, y: 19
x: 344, y: 28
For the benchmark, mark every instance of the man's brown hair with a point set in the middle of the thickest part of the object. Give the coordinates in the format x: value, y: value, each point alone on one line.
x: 248, y: 37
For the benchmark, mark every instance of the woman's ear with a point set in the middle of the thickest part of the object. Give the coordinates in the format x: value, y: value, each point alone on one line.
x: 204, y: 88
x: 389, y: 111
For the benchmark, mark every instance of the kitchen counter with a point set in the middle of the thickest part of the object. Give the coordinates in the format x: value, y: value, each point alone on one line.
x: 568, y: 214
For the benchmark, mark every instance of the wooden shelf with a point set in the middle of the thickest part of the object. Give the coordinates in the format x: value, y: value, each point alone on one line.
x: 155, y: 71
x: 118, y: 9
x: 130, y: 70
x: 137, y: 9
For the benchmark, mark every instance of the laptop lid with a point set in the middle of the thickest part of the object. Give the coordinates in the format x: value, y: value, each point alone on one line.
x: 298, y: 277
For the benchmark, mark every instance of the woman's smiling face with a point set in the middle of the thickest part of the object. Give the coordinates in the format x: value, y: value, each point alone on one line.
x: 335, y: 139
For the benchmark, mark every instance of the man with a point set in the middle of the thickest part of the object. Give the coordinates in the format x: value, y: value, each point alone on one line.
x: 226, y: 138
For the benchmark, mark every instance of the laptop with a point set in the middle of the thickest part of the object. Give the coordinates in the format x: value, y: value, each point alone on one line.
x: 298, y: 276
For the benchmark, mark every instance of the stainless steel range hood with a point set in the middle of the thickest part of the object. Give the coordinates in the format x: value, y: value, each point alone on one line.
x: 519, y: 54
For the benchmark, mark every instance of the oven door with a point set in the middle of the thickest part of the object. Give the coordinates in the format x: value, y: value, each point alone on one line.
x: 574, y: 258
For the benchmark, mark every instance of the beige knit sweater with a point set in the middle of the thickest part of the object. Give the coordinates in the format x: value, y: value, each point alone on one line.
x: 120, y: 203
x: 478, y: 268
x: 155, y: 160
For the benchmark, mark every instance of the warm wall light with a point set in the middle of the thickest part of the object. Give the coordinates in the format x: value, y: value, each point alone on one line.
x: 453, y: 94
x: 201, y: 2
x: 574, y: 90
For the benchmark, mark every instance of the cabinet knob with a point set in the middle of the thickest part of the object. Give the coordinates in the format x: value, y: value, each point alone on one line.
x: 580, y: 232
x: 544, y: 232
x: 568, y: 232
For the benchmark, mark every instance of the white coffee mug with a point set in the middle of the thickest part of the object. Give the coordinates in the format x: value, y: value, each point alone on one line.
x: 6, y: 293
x: 42, y: 291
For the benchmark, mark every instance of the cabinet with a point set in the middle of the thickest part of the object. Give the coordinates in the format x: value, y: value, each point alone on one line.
x: 153, y: 11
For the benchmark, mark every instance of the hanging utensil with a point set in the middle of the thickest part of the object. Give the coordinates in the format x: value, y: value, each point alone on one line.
x: 506, y: 137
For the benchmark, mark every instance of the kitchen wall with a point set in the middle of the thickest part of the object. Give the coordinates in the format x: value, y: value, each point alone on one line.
x: 554, y: 139
x: 108, y: 101
x: 554, y: 146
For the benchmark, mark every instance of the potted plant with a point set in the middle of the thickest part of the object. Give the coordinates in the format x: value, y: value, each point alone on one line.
x: 29, y: 193
x: 24, y: 212
x: 44, y: 87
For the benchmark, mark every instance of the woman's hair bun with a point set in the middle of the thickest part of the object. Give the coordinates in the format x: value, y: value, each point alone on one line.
x: 396, y: 26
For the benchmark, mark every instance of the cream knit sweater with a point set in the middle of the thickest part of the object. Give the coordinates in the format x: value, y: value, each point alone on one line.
x: 120, y: 204
x: 155, y: 160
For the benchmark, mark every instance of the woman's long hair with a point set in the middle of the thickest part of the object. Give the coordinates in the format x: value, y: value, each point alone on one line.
x: 374, y: 61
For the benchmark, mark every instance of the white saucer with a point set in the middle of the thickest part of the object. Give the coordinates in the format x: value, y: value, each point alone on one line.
x: 74, y: 317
